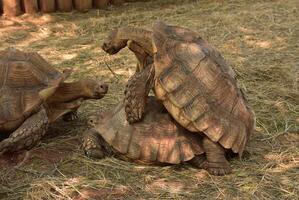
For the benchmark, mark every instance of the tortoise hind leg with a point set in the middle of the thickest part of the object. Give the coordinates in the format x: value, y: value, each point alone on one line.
x: 28, y: 134
x: 216, y: 161
x: 91, y: 144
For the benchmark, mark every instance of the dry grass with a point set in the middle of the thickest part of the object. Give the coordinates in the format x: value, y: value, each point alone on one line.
x: 259, y: 38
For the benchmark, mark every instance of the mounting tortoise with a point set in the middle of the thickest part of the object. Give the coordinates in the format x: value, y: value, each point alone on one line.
x: 195, y: 84
x: 34, y: 94
x: 157, y: 139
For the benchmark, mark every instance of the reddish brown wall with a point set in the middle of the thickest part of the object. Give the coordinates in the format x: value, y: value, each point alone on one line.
x: 17, y: 7
x: 101, y: 3
x: 64, y: 5
x: 82, y: 5
x: 12, y: 8
x: 30, y: 6
x: 1, y: 7
x: 47, y: 6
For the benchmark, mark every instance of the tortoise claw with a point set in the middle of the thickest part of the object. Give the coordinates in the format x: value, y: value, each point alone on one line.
x: 218, y: 169
x: 70, y: 116
x: 134, y: 109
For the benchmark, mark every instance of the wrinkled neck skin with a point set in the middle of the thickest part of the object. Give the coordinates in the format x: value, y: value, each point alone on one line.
x: 141, y: 36
x: 68, y: 92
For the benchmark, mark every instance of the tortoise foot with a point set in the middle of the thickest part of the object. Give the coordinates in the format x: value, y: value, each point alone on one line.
x: 93, y: 152
x: 219, y: 168
x: 134, y: 114
x: 134, y: 106
x: 91, y: 145
x: 70, y: 116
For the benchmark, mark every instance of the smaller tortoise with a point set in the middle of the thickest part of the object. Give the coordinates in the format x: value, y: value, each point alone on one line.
x: 157, y: 139
x: 34, y: 94
x: 194, y: 83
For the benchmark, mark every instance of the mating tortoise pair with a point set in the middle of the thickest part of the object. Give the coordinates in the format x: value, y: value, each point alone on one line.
x: 209, y: 113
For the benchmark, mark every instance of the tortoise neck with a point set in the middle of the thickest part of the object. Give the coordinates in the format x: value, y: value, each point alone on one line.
x: 68, y: 92
x: 141, y: 36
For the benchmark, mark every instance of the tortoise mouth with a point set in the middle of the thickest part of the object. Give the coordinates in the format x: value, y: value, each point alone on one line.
x: 111, y: 48
x: 93, y: 120
x: 101, y: 90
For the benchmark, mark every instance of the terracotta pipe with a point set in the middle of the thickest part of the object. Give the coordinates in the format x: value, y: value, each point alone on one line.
x: 47, y: 6
x: 30, y: 6
x: 82, y: 5
x: 64, y: 5
x: 100, y: 4
x: 12, y: 8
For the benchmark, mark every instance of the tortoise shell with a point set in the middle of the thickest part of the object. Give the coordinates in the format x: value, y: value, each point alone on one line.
x: 156, y: 139
x: 198, y: 87
x: 26, y: 80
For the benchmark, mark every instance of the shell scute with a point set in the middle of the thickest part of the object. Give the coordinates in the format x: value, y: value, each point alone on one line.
x: 184, y: 94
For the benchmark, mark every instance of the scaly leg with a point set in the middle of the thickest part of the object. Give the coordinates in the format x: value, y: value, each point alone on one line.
x: 216, y: 164
x: 140, y: 84
x: 136, y: 92
x: 91, y: 144
x: 28, y: 134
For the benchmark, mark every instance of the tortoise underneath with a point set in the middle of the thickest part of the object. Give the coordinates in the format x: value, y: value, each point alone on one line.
x: 156, y: 139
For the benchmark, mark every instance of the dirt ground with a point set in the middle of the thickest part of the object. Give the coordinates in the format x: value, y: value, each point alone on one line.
x: 258, y: 38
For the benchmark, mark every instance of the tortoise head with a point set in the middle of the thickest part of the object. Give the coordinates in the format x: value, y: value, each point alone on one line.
x: 95, y: 119
x: 113, y: 43
x: 92, y: 121
x: 94, y: 89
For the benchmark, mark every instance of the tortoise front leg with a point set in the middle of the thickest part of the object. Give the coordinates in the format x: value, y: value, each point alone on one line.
x: 28, y: 134
x: 136, y: 92
x: 91, y: 144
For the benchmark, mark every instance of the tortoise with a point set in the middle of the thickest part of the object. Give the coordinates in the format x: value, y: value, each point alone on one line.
x: 34, y: 94
x: 194, y: 82
x: 157, y: 139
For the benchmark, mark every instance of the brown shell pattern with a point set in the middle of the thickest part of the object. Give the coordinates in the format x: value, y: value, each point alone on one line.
x: 157, y: 138
x: 22, y: 77
x: 198, y: 87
